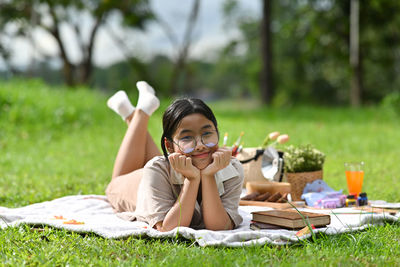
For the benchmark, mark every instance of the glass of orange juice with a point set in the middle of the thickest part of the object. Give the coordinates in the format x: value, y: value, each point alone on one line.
x: 354, y: 176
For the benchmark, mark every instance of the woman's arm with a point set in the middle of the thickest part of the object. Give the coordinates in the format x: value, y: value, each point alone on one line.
x: 214, y: 214
x: 181, y: 212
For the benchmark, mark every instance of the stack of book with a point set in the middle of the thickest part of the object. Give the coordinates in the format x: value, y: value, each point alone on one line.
x: 288, y: 219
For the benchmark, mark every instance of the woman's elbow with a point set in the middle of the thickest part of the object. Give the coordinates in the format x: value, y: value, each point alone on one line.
x: 217, y: 227
x: 165, y: 228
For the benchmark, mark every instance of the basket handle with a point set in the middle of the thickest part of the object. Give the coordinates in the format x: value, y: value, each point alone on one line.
x: 259, y: 152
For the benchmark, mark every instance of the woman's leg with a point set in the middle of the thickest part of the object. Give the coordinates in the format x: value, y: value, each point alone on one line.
x: 151, y: 149
x: 132, y: 152
x: 136, y: 149
x: 132, y: 155
x: 122, y: 190
x: 137, y: 145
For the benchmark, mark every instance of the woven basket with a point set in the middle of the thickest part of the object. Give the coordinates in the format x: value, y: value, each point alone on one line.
x: 298, y: 181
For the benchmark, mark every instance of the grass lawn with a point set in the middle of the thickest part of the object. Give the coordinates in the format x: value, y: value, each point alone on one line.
x: 56, y: 142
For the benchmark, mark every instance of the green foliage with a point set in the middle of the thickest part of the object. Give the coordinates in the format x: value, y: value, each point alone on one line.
x: 392, y: 102
x: 303, y: 158
x: 52, y: 17
x: 46, y: 246
x: 36, y: 106
x: 311, y: 51
x: 41, y: 160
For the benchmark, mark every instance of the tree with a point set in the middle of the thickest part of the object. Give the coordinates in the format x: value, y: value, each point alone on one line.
x: 238, y: 65
x: 257, y: 37
x: 53, y: 16
x: 176, y: 69
x: 267, y: 88
x: 356, y: 86
x: 311, y: 47
x: 333, y: 36
x: 179, y: 72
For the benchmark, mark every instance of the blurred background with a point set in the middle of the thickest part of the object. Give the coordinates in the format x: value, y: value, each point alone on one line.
x: 282, y: 52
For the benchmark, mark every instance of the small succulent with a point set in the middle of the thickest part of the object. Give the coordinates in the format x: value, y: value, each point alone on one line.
x: 303, y: 158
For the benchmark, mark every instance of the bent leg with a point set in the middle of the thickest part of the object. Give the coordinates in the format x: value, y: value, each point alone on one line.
x: 151, y: 149
x: 132, y: 152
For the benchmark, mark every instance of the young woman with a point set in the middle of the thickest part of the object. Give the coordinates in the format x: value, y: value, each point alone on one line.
x: 195, y: 183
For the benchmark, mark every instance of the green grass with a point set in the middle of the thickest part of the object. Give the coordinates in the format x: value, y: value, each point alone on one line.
x: 56, y: 142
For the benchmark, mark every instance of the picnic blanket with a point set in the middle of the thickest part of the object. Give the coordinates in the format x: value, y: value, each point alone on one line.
x: 93, y: 213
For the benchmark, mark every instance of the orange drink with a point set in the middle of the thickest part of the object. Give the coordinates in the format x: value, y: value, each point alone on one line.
x: 355, y: 177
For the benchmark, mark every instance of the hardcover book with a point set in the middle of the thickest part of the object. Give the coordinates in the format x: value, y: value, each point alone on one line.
x: 291, y: 218
x: 262, y: 226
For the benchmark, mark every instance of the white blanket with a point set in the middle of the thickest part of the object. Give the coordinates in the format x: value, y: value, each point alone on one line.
x: 93, y: 213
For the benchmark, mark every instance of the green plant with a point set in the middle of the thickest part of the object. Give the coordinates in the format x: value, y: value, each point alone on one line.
x: 392, y: 101
x: 41, y: 160
x: 303, y: 158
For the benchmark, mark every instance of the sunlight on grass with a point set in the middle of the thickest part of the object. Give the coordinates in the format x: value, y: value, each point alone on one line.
x: 56, y: 142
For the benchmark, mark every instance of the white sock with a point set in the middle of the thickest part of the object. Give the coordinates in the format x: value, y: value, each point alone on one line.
x: 120, y: 103
x: 147, y: 102
x: 145, y: 87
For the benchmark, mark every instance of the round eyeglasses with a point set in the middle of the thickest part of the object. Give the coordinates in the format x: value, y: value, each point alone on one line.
x: 187, y: 144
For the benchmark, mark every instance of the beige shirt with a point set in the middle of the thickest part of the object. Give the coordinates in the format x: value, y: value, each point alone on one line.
x: 161, y: 186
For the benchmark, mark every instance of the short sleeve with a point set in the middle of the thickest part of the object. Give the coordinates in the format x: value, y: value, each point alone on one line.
x: 155, y: 194
x: 231, y: 197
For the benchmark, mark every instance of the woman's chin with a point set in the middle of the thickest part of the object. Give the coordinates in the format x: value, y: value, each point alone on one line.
x: 201, y: 164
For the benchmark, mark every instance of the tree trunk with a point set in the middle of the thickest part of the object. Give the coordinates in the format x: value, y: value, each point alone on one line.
x: 177, y: 73
x: 136, y: 65
x: 179, y: 69
x: 87, y: 64
x: 267, y: 88
x: 355, y: 62
x: 68, y: 67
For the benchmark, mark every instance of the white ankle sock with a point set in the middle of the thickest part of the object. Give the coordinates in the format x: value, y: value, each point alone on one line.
x: 147, y: 102
x: 145, y: 87
x: 120, y: 103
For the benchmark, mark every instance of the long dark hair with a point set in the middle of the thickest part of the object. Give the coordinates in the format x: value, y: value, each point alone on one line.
x: 177, y: 111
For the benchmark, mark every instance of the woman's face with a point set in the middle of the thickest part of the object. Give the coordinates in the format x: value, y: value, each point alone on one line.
x: 196, y: 126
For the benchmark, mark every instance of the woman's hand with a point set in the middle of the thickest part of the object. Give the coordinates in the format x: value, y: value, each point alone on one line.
x: 184, y: 166
x: 221, y: 159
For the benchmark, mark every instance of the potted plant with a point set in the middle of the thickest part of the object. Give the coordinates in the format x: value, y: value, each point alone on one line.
x: 302, y: 164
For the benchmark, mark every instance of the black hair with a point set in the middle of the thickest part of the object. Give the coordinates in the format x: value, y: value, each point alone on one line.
x: 179, y: 109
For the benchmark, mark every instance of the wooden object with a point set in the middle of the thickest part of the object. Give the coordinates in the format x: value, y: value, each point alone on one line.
x: 262, y: 197
x: 265, y: 186
x: 291, y: 218
x: 251, y: 196
x: 271, y: 204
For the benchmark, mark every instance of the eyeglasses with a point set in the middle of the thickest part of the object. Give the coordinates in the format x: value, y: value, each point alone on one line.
x: 187, y: 144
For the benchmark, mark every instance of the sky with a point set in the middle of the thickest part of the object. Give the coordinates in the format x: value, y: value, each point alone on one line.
x: 209, y: 34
